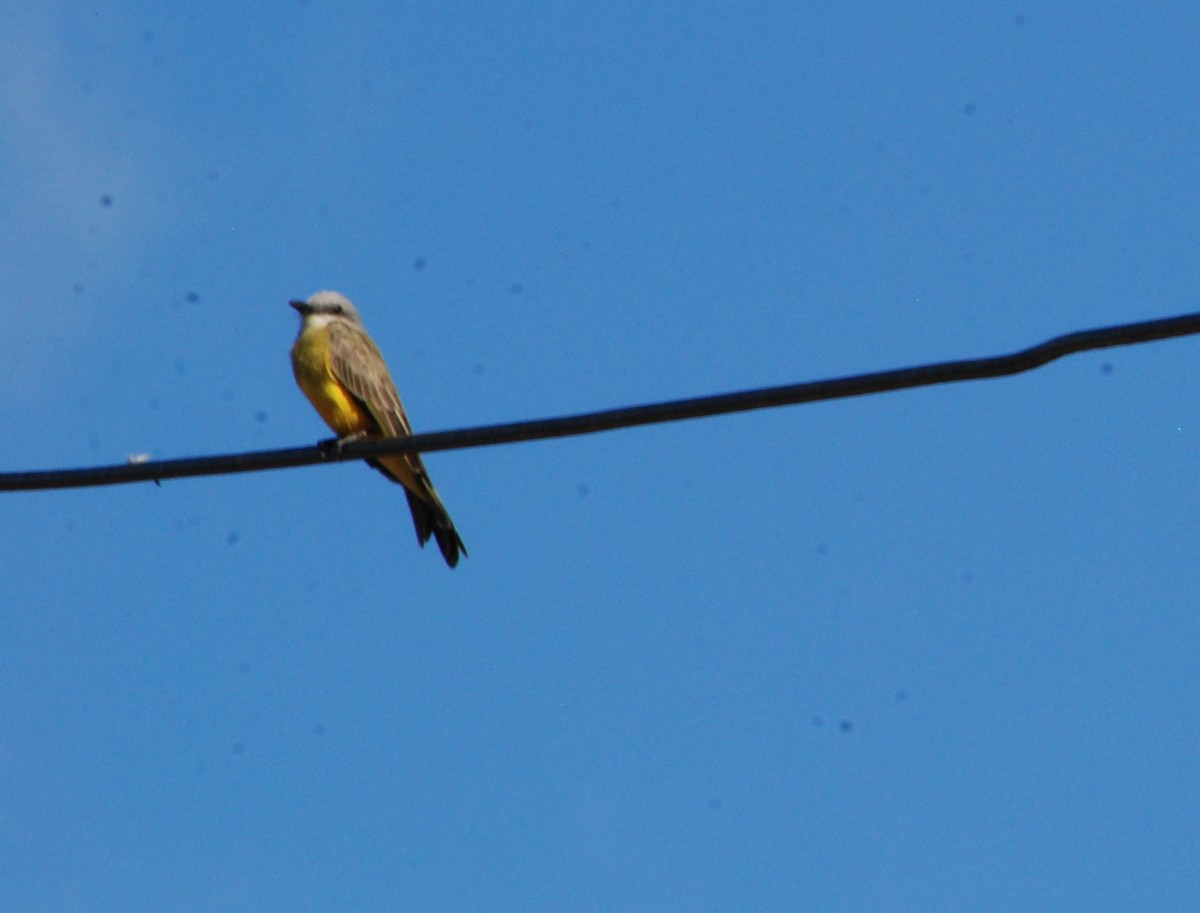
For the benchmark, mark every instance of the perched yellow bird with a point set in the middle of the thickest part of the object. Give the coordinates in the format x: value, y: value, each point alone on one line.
x: 344, y: 376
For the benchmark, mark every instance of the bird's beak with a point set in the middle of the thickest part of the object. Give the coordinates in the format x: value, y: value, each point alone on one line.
x: 301, y: 306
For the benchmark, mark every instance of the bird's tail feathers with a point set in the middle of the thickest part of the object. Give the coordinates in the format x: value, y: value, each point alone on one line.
x: 432, y: 519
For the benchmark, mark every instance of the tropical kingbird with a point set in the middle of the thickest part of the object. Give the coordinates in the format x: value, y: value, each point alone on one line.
x: 341, y: 371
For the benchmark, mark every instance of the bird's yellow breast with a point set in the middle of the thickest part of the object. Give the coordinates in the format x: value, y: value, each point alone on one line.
x: 340, y: 409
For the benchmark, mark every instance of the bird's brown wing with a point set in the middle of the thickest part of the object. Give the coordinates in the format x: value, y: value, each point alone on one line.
x: 358, y: 365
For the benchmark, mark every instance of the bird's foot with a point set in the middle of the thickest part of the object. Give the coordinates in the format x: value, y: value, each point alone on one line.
x: 333, y: 445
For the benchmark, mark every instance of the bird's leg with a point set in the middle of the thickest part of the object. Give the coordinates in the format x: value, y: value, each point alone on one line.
x: 334, y: 445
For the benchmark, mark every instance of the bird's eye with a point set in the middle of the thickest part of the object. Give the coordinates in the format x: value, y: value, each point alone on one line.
x: 338, y: 309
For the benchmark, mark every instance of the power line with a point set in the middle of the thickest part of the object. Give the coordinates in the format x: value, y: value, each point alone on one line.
x: 610, y: 419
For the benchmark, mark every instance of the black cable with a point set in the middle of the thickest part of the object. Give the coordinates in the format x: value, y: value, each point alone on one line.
x: 607, y: 420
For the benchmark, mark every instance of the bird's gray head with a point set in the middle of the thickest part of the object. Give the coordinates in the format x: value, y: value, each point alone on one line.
x: 324, y: 307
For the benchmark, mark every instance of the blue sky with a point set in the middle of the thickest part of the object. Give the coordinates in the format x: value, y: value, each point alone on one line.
x: 932, y: 650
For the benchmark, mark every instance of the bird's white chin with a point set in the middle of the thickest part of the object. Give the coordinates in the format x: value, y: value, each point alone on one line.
x: 317, y: 321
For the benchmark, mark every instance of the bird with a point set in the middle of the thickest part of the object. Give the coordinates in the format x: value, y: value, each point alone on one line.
x: 342, y: 372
